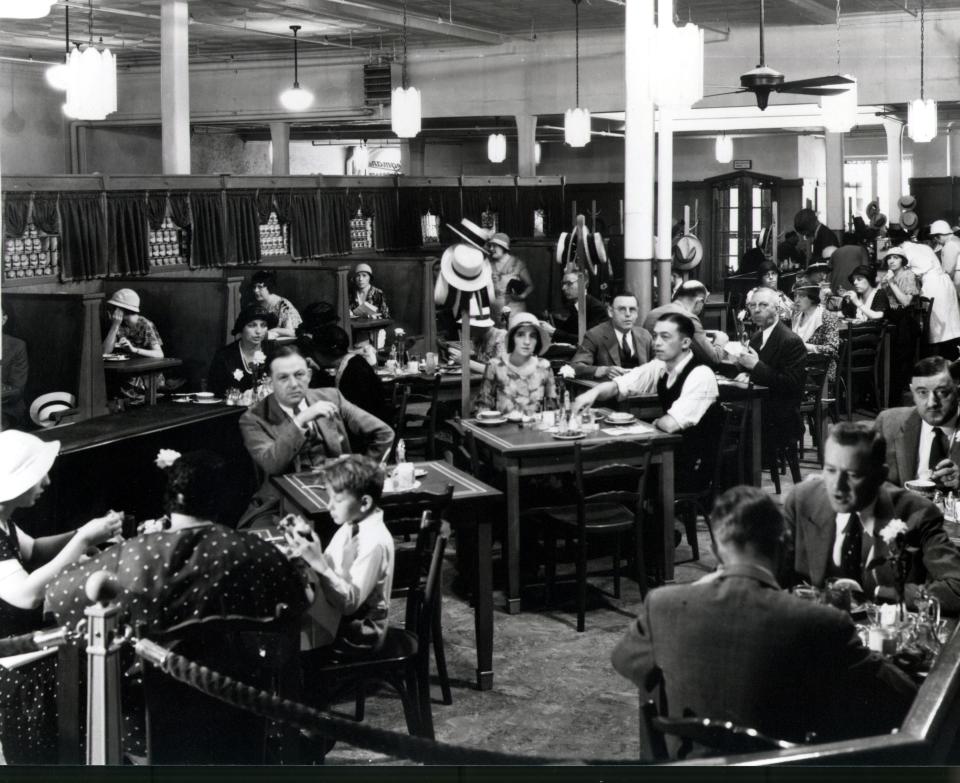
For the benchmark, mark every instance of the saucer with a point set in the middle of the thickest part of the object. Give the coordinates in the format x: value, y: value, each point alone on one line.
x: 620, y: 419
x: 568, y: 435
x: 491, y: 422
x: 116, y: 357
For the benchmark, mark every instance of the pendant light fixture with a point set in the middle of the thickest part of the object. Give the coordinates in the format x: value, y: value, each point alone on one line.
x: 58, y: 76
x: 679, y: 51
x: 25, y: 9
x: 840, y: 108
x: 296, y: 98
x: 497, y: 147
x: 91, y: 79
x: 405, y: 102
x: 537, y: 153
x: 922, y: 113
x: 576, y: 121
x: 723, y: 149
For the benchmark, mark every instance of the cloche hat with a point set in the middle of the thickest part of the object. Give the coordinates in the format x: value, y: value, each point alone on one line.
x: 24, y: 460
x: 529, y: 319
x: 125, y: 299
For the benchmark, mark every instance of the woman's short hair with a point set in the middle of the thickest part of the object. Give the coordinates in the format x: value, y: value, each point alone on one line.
x: 355, y: 474
x: 264, y: 278
x: 511, y: 339
x: 747, y: 517
x: 195, y: 483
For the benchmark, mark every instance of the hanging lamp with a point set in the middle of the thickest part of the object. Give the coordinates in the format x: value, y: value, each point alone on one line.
x: 679, y: 50
x: 723, y: 149
x: 361, y: 158
x: 25, y: 9
x: 497, y: 147
x: 91, y: 79
x: 576, y: 121
x: 405, y: 101
x: 296, y: 98
x: 840, y: 108
x: 922, y: 113
x: 58, y: 76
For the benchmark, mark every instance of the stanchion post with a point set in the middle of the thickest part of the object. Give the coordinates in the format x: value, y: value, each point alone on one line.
x: 104, y: 744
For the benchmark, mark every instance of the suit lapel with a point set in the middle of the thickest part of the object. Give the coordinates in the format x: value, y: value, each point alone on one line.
x: 822, y: 528
x: 907, y: 446
x: 611, y: 344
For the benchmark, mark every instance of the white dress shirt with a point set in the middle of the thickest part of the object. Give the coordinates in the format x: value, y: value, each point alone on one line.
x: 699, y: 392
x: 926, y: 441
x: 629, y: 337
x: 867, y: 520
x: 293, y: 413
x: 766, y: 334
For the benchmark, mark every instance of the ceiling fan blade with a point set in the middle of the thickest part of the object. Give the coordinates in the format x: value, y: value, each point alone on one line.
x: 717, y: 94
x: 818, y: 81
x: 813, y: 91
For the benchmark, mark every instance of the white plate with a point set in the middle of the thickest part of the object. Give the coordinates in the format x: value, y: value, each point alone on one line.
x: 419, y: 473
x: 615, y: 419
x: 569, y: 435
x: 491, y: 422
x: 115, y: 357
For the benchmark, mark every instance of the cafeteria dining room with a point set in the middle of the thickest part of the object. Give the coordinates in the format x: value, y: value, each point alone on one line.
x: 469, y: 383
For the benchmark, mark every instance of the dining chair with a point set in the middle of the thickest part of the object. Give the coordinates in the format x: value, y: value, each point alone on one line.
x: 813, y: 407
x: 606, y: 513
x: 418, y: 429
x: 860, y: 357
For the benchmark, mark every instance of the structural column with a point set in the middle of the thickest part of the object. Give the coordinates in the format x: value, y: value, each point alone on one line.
x: 280, y: 147
x: 835, y: 181
x: 664, y: 204
x: 526, y: 145
x: 638, y: 153
x: 894, y: 131
x: 175, y: 86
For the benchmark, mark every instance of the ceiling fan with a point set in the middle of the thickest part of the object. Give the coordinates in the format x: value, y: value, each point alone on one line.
x: 763, y: 80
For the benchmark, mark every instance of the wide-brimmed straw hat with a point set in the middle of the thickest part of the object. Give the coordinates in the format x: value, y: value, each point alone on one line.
x: 529, y: 319
x: 907, y: 202
x: 24, y: 460
x: 909, y: 220
x: 471, y: 233
x: 465, y: 267
x: 125, y: 299
x: 479, y: 309
x: 44, y: 407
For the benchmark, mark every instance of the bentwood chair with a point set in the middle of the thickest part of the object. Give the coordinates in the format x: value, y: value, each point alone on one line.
x: 418, y: 429
x: 812, y: 404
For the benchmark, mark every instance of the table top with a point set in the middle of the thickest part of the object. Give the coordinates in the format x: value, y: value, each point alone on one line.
x: 446, y: 378
x: 730, y: 390
x: 141, y: 364
x: 132, y: 423
x: 307, y: 491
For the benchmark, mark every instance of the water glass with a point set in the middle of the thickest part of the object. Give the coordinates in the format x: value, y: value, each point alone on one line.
x: 430, y: 363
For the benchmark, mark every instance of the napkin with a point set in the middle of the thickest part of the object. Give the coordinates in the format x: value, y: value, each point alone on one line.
x: 640, y: 428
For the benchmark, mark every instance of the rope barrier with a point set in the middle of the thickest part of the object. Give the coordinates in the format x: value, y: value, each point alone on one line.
x: 271, y: 706
x: 15, y: 645
x: 36, y: 640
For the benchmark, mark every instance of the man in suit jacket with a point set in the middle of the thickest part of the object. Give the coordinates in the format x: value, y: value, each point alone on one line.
x: 297, y: 428
x: 733, y: 646
x: 688, y: 300
x: 838, y: 523
x: 615, y: 346
x: 13, y: 378
x: 922, y: 439
x: 567, y: 329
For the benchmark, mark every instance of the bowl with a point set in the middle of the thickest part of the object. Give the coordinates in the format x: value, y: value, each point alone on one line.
x: 923, y: 487
x: 515, y: 416
x: 489, y: 415
x: 620, y: 416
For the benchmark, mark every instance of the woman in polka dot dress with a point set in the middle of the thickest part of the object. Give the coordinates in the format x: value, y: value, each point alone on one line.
x: 28, y: 720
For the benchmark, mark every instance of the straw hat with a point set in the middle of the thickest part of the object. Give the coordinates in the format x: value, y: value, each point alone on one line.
x: 909, y: 220
x: 687, y: 252
x: 45, y: 406
x: 464, y: 267
x: 827, y: 253
x: 24, y: 460
x: 529, y: 319
x: 907, y: 202
x: 125, y: 299
x: 479, y: 309
x: 502, y: 240
x: 471, y: 233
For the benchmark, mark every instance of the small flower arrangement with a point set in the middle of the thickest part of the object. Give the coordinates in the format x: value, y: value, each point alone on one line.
x: 567, y: 372
x: 399, y: 332
x: 259, y: 357
x: 166, y: 458
x: 899, y: 555
x: 892, y: 531
x: 238, y: 375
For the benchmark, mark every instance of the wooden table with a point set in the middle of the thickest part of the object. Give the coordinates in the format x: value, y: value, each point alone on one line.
x: 647, y: 407
x: 301, y: 493
x: 529, y: 452
x: 151, y: 369
x: 450, y: 383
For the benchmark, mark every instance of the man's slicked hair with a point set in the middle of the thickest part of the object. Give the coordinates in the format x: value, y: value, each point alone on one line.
x: 863, y: 435
x: 747, y: 517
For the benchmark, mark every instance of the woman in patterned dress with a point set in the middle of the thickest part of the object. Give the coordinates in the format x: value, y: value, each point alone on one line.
x: 288, y: 317
x: 519, y: 380
x: 28, y: 717
x: 816, y: 326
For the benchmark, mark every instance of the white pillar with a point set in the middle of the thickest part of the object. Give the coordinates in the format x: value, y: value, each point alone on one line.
x: 526, y: 144
x: 894, y: 130
x: 834, y: 217
x: 175, y: 86
x: 280, y: 147
x: 638, y: 153
x: 664, y: 203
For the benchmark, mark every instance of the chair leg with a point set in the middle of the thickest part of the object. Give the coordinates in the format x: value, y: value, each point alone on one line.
x: 408, y: 687
x: 690, y: 529
x: 639, y: 566
x: 706, y: 518
x: 616, y: 567
x: 361, y: 701
x: 421, y: 676
x: 775, y: 473
x: 550, y: 543
x: 794, y: 463
x: 440, y: 654
x: 581, y: 583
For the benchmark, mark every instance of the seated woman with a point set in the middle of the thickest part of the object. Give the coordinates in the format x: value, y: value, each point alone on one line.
x: 902, y: 289
x: 865, y: 302
x: 519, y: 380
x: 134, y: 334
x: 288, y: 317
x: 768, y: 275
x: 367, y: 301
x: 28, y: 718
x: 241, y: 364
x: 818, y: 328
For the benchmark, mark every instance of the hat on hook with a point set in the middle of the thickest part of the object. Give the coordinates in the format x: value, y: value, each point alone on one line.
x: 471, y: 233
x: 465, y: 267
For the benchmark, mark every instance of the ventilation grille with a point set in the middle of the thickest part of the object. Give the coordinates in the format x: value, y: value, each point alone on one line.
x: 379, y: 79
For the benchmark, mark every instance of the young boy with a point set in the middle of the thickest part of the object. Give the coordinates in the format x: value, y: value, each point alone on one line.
x: 355, y: 574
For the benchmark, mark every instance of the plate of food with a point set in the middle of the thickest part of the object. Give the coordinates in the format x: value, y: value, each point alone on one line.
x: 419, y: 473
x: 569, y: 435
x: 490, y: 418
x: 620, y: 417
x: 488, y: 422
x: 116, y: 357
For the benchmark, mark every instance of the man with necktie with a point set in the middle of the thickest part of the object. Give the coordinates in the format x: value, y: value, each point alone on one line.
x: 610, y: 349
x: 838, y: 519
x: 922, y: 438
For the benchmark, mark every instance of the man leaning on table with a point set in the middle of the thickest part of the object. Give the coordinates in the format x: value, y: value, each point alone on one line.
x: 297, y: 428
x: 613, y: 347
x: 838, y: 521
x: 689, y: 300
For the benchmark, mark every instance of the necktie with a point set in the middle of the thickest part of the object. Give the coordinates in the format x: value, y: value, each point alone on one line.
x: 938, y: 448
x: 851, y: 554
x: 626, y: 346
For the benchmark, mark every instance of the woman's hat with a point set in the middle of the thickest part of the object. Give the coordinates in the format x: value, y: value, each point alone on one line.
x: 465, y: 267
x: 909, y: 220
x: 907, y: 202
x: 363, y: 268
x: 812, y: 292
x: 471, y: 233
x: 529, y: 319
x: 893, y: 251
x: 820, y: 266
x: 44, y: 408
x: 253, y: 313
x: 862, y: 270
x: 940, y: 227
x: 125, y: 299
x: 24, y: 460
x: 827, y: 253
x: 501, y: 240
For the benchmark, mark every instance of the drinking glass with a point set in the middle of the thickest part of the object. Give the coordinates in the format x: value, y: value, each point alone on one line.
x: 430, y: 363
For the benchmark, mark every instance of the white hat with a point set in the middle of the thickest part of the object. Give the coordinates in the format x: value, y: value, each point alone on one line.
x: 827, y: 253
x: 464, y: 267
x: 529, y: 319
x: 472, y: 233
x: 126, y: 299
x: 938, y: 227
x: 24, y: 460
x: 479, y: 309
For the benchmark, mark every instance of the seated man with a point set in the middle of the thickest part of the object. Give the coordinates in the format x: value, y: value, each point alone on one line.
x: 838, y: 520
x: 921, y: 439
x: 733, y: 646
x: 567, y: 329
x: 688, y: 394
x: 13, y: 379
x: 297, y: 428
x: 613, y: 347
x: 688, y: 300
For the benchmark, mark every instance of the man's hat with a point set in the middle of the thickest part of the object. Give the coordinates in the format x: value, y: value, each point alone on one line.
x: 909, y: 220
x: 687, y: 253
x: 595, y: 250
x: 465, y: 267
x: 471, y: 233
x: 43, y: 408
x: 907, y: 202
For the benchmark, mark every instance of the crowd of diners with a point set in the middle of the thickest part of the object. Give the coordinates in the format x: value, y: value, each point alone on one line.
x: 801, y: 668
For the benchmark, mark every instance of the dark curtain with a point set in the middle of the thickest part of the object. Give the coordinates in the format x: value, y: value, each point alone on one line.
x: 208, y: 247
x: 83, y: 236
x: 549, y: 198
x: 334, y: 222
x: 444, y: 202
x: 381, y: 205
x: 243, y: 227
x: 281, y: 203
x: 301, y: 209
x: 264, y: 205
x: 156, y: 210
x: 127, y: 224
x: 503, y: 201
x: 16, y: 206
x: 180, y: 209
x: 45, y: 214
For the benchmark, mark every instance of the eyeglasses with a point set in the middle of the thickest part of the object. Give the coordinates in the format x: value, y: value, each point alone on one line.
x: 567, y: 283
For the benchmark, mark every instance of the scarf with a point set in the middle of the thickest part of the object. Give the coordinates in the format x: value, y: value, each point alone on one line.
x: 805, y: 325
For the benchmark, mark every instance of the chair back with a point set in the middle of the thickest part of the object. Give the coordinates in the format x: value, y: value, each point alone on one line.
x: 623, y: 463
x: 925, y: 305
x: 427, y: 596
x: 817, y: 366
x: 417, y: 429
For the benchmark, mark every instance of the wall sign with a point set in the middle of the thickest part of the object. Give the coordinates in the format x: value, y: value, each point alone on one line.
x: 742, y: 164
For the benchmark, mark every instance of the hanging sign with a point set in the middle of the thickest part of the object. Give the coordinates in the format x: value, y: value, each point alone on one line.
x: 742, y: 164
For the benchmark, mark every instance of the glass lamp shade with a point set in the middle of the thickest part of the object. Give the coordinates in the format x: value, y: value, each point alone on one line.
x: 497, y: 148
x: 679, y: 55
x: 25, y: 9
x: 576, y: 127
x: 58, y: 76
x: 537, y: 153
x: 723, y: 149
x: 840, y: 110
x: 361, y: 158
x: 922, y: 120
x: 296, y: 98
x: 91, y: 84
x: 405, y: 112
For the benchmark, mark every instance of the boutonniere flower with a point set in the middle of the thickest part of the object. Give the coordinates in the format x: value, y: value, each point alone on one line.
x: 238, y: 375
x: 890, y: 532
x: 259, y: 357
x: 166, y: 458
x: 567, y: 372
x: 399, y: 332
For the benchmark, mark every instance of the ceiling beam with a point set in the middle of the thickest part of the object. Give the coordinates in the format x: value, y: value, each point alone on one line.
x: 814, y: 10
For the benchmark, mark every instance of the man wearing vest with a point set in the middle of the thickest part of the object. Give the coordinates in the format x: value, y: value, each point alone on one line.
x: 688, y: 394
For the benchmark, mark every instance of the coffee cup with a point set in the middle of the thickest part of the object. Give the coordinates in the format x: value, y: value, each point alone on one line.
x: 923, y: 487
x: 430, y: 362
x: 413, y: 367
x: 404, y: 476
